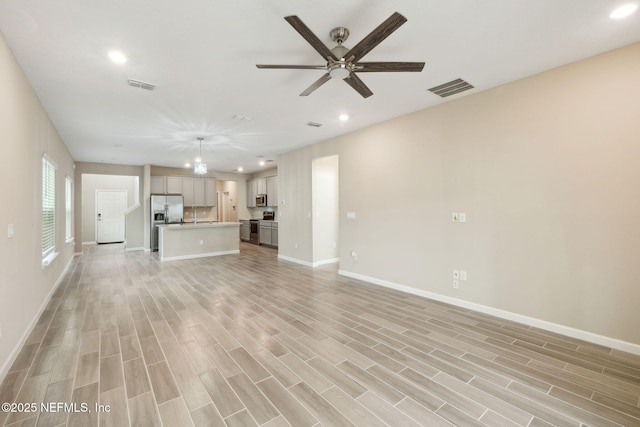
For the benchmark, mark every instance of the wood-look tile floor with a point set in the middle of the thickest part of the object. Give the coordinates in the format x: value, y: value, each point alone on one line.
x: 245, y: 340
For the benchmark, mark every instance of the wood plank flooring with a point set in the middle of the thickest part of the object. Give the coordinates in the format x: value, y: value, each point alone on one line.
x: 246, y: 340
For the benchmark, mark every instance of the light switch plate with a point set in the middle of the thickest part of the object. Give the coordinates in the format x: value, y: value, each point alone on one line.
x: 10, y: 232
x: 463, y: 217
x: 456, y: 274
x: 455, y: 217
x: 463, y: 275
x: 351, y: 215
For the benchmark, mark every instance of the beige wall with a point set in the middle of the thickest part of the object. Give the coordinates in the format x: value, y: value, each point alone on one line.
x: 546, y: 170
x: 26, y: 133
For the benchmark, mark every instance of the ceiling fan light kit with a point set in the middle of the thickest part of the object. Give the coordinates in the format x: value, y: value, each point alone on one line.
x: 343, y: 63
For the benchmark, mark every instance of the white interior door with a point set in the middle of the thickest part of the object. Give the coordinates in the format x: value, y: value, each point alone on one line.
x: 227, y: 208
x: 110, y: 207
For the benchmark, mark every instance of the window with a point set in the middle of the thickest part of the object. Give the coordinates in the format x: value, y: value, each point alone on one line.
x: 48, y: 208
x: 68, y: 209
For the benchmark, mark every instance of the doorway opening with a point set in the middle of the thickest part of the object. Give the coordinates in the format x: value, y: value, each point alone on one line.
x: 325, y: 206
x: 132, y: 213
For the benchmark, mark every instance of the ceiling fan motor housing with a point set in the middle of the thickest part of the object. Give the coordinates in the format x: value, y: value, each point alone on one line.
x: 339, y: 34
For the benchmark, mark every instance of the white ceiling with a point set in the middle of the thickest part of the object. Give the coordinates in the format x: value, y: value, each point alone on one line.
x: 202, y: 55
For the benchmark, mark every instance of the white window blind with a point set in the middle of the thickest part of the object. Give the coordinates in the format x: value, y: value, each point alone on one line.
x: 48, y: 207
x: 68, y: 205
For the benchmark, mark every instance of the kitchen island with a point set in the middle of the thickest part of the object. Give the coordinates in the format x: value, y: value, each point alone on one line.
x: 186, y: 241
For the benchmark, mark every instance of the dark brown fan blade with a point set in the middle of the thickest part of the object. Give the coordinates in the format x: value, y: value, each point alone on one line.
x: 311, y: 38
x: 322, y: 80
x: 374, y: 38
x: 293, y: 67
x: 355, y: 82
x: 374, y: 67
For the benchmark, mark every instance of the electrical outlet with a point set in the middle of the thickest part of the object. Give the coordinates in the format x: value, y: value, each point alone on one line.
x: 354, y: 255
x: 463, y: 275
x: 456, y: 274
x: 456, y: 284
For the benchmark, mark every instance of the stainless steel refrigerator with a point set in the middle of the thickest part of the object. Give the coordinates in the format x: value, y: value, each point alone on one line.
x: 165, y: 209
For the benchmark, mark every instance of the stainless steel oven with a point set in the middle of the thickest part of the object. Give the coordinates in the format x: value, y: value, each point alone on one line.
x: 254, y: 236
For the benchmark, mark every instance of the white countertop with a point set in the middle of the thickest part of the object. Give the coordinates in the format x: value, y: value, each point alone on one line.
x: 188, y: 225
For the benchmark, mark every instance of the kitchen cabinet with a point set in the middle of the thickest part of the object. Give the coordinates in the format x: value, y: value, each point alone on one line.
x: 210, y: 193
x: 265, y: 233
x: 274, y: 234
x: 272, y: 191
x: 174, y: 185
x: 252, y: 191
x: 261, y: 186
x: 245, y: 230
x: 269, y: 233
x: 187, y: 191
x: 268, y: 186
x: 198, y: 192
x: 158, y: 185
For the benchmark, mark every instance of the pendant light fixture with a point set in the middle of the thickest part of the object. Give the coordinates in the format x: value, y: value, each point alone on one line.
x: 199, y: 167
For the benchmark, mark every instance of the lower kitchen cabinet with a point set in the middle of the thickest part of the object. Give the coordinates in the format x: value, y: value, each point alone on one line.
x: 269, y: 233
x: 274, y: 234
x: 265, y: 234
x: 245, y: 230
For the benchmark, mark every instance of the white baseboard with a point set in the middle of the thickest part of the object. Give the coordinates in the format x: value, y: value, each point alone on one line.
x: 140, y: 248
x: 209, y: 254
x: 530, y: 321
x: 4, y: 370
x: 326, y: 261
x: 89, y: 243
x: 295, y: 260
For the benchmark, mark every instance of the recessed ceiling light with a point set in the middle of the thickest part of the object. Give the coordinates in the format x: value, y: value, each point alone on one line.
x: 623, y: 11
x: 344, y: 117
x: 117, y: 57
x: 240, y: 169
x: 261, y: 163
x: 187, y: 165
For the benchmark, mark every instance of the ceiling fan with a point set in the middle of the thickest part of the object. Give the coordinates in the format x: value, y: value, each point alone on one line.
x: 343, y: 63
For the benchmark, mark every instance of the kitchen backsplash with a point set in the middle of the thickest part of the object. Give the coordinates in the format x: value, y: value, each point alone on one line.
x: 203, y: 214
x: 257, y: 212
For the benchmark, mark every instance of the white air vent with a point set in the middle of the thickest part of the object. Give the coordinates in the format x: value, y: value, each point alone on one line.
x: 314, y: 124
x: 451, y: 88
x: 141, y: 85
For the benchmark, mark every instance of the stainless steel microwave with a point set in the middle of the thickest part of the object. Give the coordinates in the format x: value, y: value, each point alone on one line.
x: 261, y: 200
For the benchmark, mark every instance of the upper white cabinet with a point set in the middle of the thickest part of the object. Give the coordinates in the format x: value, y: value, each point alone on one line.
x: 174, y: 184
x: 198, y: 192
x: 188, y: 191
x: 210, y: 194
x: 272, y: 191
x: 195, y: 191
x: 268, y: 186
x: 158, y: 185
x: 252, y: 191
